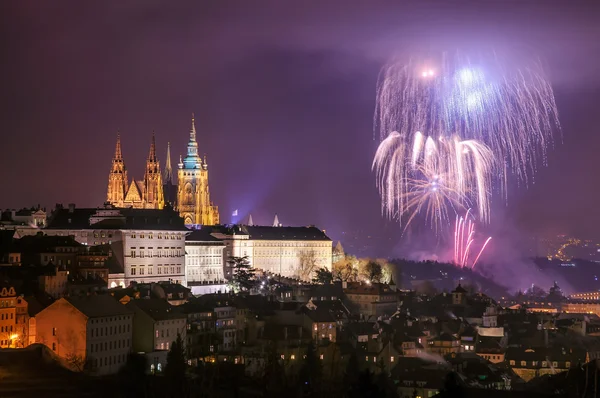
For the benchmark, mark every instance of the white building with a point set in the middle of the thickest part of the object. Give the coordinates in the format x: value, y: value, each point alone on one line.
x: 204, y: 258
x: 293, y: 252
x: 148, y: 244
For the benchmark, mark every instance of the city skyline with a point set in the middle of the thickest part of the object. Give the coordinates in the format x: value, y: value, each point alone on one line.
x: 284, y: 114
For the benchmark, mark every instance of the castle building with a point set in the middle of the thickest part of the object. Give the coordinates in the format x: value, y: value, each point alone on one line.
x: 144, y: 194
x: 193, y: 197
x: 189, y: 194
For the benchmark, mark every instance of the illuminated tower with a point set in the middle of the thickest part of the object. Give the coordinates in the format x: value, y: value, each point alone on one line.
x: 117, y: 178
x: 153, y: 188
x: 169, y: 189
x: 193, y: 197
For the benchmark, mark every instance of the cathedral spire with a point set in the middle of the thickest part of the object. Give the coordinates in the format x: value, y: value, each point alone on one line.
x: 193, y: 130
x: 192, y: 160
x: 276, y: 221
x: 250, y: 222
x: 168, y: 170
x: 118, y: 153
x: 152, y: 154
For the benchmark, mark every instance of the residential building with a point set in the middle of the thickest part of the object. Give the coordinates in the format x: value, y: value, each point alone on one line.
x: 147, y: 245
x: 54, y: 281
x: 204, y: 257
x: 92, y: 333
x: 371, y: 299
x: 529, y: 363
x: 8, y: 315
x: 156, y: 324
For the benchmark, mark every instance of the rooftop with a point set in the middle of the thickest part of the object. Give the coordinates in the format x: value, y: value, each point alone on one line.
x: 98, y: 306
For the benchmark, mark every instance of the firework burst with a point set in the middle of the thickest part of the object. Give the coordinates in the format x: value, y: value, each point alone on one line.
x: 502, y: 114
x: 432, y: 176
x: 464, y: 238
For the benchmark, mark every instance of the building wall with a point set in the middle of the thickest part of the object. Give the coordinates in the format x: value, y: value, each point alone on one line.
x: 102, y: 343
x: 162, y: 257
x: 582, y: 308
x: 54, y: 285
x: 204, y: 261
x: 165, y: 332
x: 154, y: 256
x: 8, y: 317
x: 285, y: 256
x: 63, y: 329
x: 109, y: 342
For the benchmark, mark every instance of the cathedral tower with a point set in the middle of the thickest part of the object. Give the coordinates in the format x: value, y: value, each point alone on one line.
x: 153, y: 188
x: 193, y: 197
x: 117, y: 178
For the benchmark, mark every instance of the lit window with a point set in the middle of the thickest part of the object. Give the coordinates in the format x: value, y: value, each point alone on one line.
x: 321, y: 356
x: 292, y: 356
x: 282, y: 356
x: 391, y: 359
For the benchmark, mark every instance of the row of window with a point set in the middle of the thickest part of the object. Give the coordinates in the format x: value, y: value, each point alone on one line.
x: 110, y: 345
x: 544, y: 364
x: 6, y: 329
x: 5, y: 316
x: 110, y: 319
x: 159, y: 236
x: 162, y: 270
x: 159, y: 253
x: 110, y: 330
x: 204, y: 260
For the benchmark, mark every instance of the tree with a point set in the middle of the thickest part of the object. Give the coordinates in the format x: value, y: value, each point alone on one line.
x: 310, y: 371
x: 76, y: 362
x: 346, y: 270
x: 132, y: 376
x: 308, y: 263
x: 242, y: 277
x: 372, y: 271
x: 555, y: 293
x: 176, y: 367
x: 323, y: 276
x: 452, y: 387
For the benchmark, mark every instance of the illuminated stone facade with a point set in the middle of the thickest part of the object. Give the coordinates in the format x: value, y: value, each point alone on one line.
x: 148, y: 245
x: 189, y: 195
x: 144, y: 194
x: 293, y: 252
x: 193, y: 196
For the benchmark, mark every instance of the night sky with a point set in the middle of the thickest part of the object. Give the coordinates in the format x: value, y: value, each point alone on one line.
x: 283, y: 96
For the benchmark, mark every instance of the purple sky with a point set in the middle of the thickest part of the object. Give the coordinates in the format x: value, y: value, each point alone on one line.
x: 283, y: 97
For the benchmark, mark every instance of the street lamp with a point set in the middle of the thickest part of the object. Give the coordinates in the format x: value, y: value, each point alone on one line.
x: 12, y: 338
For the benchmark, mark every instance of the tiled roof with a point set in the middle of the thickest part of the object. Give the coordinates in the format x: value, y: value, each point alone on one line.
x: 285, y: 233
x: 201, y: 235
x: 139, y: 219
x: 98, y: 306
x: 368, y: 289
x: 157, y: 309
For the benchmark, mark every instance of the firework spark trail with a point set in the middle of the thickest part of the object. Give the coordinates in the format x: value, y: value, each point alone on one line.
x: 464, y: 239
x: 481, y: 251
x: 432, y: 176
x: 508, y: 106
x: 500, y: 111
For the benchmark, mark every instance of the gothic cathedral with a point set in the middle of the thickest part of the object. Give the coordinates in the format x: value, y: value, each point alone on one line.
x: 190, y: 196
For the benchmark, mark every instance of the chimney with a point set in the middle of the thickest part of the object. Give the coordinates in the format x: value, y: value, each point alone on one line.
x: 71, y: 207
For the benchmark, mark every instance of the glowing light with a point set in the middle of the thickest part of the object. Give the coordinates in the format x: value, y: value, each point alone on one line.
x: 504, y: 109
x: 464, y: 238
x: 14, y: 336
x: 443, y: 175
